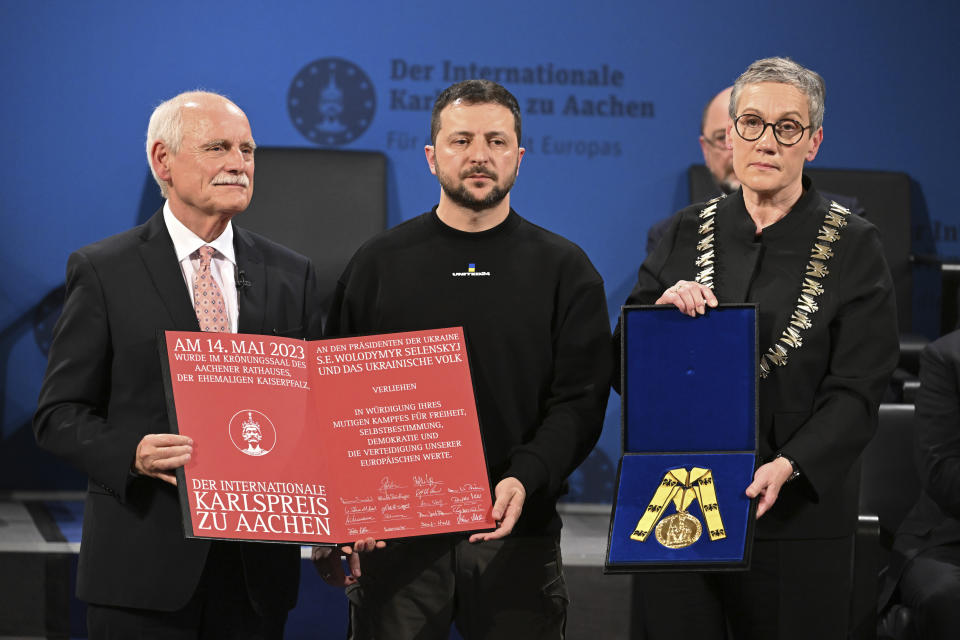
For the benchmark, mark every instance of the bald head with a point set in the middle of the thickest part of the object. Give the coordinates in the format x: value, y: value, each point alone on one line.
x: 715, y: 111
x: 713, y: 131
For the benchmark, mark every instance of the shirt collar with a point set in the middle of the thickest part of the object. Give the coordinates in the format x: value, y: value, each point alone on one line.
x: 186, y: 242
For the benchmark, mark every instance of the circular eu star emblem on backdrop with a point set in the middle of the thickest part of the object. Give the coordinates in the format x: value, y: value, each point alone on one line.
x: 331, y: 102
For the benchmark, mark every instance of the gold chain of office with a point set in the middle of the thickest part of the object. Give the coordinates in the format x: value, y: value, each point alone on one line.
x: 802, y: 316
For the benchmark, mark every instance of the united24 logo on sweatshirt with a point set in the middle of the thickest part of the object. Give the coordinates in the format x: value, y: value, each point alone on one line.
x: 471, y: 271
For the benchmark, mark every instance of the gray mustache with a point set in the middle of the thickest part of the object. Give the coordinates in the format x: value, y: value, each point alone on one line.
x: 240, y: 179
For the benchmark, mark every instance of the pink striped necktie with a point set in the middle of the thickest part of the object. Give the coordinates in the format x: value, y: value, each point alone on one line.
x: 207, y: 297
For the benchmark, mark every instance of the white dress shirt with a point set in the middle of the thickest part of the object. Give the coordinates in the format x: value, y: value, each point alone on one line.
x: 224, y: 264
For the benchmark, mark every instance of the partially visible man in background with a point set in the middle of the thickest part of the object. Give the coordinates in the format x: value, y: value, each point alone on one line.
x: 925, y: 566
x: 713, y: 142
x: 717, y: 156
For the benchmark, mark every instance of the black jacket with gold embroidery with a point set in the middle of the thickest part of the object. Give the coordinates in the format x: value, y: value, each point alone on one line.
x: 819, y: 407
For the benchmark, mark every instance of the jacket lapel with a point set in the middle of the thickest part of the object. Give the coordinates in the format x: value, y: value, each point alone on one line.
x: 738, y: 267
x: 159, y: 256
x: 252, y: 274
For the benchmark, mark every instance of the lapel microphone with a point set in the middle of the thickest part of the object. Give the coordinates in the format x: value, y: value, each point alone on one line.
x: 242, y: 282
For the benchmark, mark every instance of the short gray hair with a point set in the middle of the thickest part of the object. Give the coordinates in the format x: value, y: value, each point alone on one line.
x: 785, y: 71
x: 166, y: 126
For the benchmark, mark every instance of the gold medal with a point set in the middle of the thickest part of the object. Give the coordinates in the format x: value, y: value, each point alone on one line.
x: 678, y: 531
x: 681, y: 487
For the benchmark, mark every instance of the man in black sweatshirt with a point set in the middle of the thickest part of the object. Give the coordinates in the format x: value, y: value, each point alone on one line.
x: 537, y: 330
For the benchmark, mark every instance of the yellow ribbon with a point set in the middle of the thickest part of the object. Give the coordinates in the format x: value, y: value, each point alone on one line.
x: 683, y: 488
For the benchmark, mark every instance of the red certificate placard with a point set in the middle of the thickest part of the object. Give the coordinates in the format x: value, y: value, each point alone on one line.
x: 327, y: 440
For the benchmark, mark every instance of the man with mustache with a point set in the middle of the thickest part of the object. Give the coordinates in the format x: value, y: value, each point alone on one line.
x: 535, y: 319
x: 102, y: 405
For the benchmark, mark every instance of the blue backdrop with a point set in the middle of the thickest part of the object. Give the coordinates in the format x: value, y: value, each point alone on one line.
x: 611, y: 91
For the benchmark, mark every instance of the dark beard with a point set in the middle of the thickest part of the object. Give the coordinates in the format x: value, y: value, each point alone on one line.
x: 462, y: 197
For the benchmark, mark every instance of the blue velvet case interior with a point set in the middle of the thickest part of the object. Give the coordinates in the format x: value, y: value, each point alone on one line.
x: 689, y: 383
x: 689, y: 400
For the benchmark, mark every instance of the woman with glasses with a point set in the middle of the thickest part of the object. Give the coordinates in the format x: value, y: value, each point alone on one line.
x: 828, y: 343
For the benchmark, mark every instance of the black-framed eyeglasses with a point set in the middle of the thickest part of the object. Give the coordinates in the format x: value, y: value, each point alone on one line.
x: 750, y: 127
x: 717, y: 139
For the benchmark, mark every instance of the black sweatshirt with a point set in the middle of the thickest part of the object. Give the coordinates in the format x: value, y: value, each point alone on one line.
x: 534, y: 312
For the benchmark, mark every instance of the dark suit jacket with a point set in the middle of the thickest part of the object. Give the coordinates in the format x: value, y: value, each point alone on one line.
x: 821, y: 408
x: 935, y: 519
x: 103, y: 392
